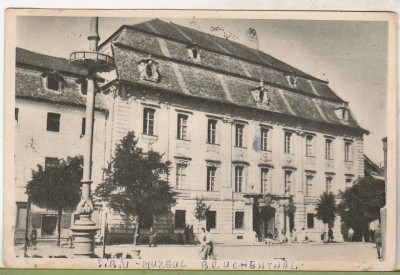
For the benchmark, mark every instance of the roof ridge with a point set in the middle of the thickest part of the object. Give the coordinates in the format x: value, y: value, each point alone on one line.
x: 256, y: 52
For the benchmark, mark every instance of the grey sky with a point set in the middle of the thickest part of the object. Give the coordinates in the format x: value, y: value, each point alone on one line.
x: 351, y: 55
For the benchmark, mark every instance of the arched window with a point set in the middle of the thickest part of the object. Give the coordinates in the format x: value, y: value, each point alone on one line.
x: 149, y: 70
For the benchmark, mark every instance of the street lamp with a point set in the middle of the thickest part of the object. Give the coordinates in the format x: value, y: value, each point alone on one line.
x: 85, y: 229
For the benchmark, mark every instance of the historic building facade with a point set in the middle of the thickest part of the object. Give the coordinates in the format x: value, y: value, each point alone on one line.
x: 49, y: 125
x: 250, y: 134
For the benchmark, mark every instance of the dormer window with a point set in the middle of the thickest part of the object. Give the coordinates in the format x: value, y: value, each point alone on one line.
x: 53, y: 81
x: 148, y: 70
x: 82, y: 86
x: 292, y: 80
x: 194, y: 52
x: 342, y: 113
x: 261, y: 94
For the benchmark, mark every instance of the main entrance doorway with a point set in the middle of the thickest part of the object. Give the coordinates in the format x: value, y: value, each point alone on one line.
x: 264, y: 222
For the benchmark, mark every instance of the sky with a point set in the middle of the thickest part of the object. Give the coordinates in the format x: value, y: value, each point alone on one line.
x: 351, y: 55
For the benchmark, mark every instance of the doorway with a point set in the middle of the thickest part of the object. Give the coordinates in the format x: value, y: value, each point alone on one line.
x: 264, y: 222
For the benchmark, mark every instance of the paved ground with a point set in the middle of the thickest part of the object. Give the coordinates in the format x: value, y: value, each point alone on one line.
x: 360, y: 252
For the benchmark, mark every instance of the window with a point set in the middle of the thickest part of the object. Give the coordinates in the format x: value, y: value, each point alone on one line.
x: 239, y: 220
x: 21, y: 215
x: 264, y: 139
x: 288, y: 143
x: 53, y: 83
x: 148, y: 121
x: 329, y: 184
x: 194, y: 53
x: 238, y: 178
x: 309, y: 185
x: 349, y: 183
x: 181, y: 176
x: 347, y: 151
x: 328, y: 149
x: 288, y: 181
x: 309, y: 146
x: 16, y: 115
x: 83, y: 130
x: 310, y: 220
x: 182, y: 127
x: 211, y: 219
x: 50, y: 162
x: 292, y: 81
x: 53, y: 122
x: 211, y: 172
x: 264, y: 181
x: 180, y: 219
x: 149, y: 71
x: 212, y: 129
x: 239, y: 131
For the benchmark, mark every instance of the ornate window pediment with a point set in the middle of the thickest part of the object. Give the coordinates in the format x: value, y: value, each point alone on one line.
x: 261, y: 94
x: 149, y: 70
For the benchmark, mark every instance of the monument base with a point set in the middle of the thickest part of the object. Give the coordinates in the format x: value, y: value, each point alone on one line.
x: 84, y: 231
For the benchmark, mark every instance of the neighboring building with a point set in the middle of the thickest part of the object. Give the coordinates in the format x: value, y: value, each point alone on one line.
x: 373, y: 170
x: 245, y: 131
x: 236, y: 123
x: 49, y: 124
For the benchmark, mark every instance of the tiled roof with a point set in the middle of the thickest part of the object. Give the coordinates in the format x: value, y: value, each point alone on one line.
x: 227, y: 78
x: 29, y: 79
x: 47, y: 62
x: 246, y: 65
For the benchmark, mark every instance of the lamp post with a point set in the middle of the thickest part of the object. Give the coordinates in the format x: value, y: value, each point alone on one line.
x: 84, y: 229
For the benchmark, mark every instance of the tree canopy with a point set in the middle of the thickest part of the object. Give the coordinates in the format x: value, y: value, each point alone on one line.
x: 361, y: 204
x: 136, y: 182
x: 326, y: 208
x: 58, y: 187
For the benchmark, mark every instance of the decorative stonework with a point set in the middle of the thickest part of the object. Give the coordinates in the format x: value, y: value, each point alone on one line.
x: 261, y: 94
x: 149, y: 70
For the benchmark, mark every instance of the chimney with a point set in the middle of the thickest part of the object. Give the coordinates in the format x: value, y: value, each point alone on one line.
x: 251, y: 39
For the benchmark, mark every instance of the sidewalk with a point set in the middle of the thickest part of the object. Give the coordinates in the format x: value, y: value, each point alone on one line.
x: 296, y: 251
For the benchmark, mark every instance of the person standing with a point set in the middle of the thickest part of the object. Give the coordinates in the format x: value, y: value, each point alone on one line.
x: 186, y: 234
x: 350, y: 234
x: 152, y: 237
x: 330, y: 235
x: 378, y: 242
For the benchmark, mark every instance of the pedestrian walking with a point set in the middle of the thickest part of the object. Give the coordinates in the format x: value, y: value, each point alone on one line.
x: 330, y: 235
x: 33, y: 238
x: 378, y: 242
x: 152, y: 237
x: 186, y: 234
x: 71, y: 238
x: 210, y: 245
x: 191, y: 235
x: 204, y: 249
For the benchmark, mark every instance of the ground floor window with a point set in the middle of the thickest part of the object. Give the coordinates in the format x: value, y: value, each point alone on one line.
x: 21, y: 215
x: 310, y: 220
x: 180, y: 219
x: 239, y: 220
x: 211, y: 219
